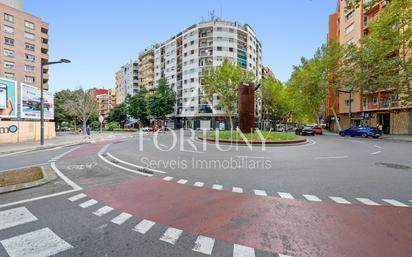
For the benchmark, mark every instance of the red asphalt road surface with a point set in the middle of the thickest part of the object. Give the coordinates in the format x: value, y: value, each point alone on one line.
x: 293, y: 227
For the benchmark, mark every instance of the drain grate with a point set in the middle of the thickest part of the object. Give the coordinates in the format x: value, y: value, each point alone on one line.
x: 393, y: 165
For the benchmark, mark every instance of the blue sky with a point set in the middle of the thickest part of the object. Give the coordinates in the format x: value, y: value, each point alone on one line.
x: 100, y: 36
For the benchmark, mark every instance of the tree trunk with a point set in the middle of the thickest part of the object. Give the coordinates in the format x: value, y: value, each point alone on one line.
x: 334, y: 114
x: 75, y: 126
x: 84, y: 127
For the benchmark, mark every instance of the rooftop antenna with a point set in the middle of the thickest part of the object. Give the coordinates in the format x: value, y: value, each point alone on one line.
x: 211, y: 13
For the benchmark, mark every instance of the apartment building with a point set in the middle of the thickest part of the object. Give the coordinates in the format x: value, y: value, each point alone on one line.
x: 24, y: 45
x: 127, y: 81
x: 182, y: 58
x: 105, y: 98
x: 367, y: 108
x: 146, y: 68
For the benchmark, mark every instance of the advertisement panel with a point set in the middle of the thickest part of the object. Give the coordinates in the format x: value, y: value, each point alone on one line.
x: 8, y: 98
x: 30, y: 103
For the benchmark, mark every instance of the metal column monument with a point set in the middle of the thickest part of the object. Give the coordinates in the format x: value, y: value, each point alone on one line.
x: 246, y: 107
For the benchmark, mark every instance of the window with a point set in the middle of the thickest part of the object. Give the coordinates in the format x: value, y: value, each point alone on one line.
x: 192, y: 52
x: 9, y: 41
x: 9, y: 75
x: 350, y: 28
x: 350, y: 41
x: 8, y: 29
x: 192, y: 80
x: 9, y: 65
x: 8, y: 53
x: 350, y: 14
x: 219, y: 28
x: 192, y: 42
x: 29, y: 79
x: 29, y: 47
x: 347, y: 102
x: 29, y: 25
x: 29, y: 68
x: 365, y: 21
x: 375, y: 101
x: 30, y: 58
x: 230, y: 49
x: 8, y: 17
x: 231, y: 30
x: 219, y: 48
x: 28, y: 35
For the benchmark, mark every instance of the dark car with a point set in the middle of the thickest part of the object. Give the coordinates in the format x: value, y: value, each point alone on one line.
x: 361, y: 132
x: 305, y: 131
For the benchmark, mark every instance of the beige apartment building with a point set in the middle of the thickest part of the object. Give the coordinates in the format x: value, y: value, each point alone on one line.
x: 368, y: 108
x: 24, y: 45
x: 146, y: 69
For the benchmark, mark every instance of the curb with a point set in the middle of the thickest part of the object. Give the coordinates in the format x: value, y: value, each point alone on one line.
x: 270, y: 143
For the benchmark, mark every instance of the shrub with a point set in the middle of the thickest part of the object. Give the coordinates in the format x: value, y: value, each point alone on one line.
x: 112, y: 125
x: 95, y: 124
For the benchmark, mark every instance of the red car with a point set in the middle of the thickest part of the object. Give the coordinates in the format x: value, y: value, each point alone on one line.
x: 318, y: 131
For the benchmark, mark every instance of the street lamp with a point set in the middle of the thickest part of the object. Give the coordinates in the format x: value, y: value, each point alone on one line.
x: 350, y: 104
x: 42, y: 98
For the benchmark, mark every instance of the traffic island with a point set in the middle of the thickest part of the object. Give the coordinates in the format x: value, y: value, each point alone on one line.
x: 270, y: 138
x: 13, y: 180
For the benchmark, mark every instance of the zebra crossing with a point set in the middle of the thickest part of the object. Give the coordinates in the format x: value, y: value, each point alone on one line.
x: 171, y: 236
x: 285, y: 195
x: 38, y: 243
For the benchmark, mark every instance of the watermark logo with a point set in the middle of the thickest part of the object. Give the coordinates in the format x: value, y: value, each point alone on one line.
x: 10, y: 129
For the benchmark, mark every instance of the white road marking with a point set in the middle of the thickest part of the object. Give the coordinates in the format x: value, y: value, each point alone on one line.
x: 15, y: 217
x: 286, y: 195
x: 168, y: 178
x: 243, y: 251
x: 134, y: 165
x: 217, y: 187
x: 331, y: 157
x: 379, y: 147
x: 121, y: 218
x: 339, y: 200
x: 283, y: 255
x: 395, y: 203
x: 375, y: 153
x: 260, y: 192
x: 102, y: 211
x: 77, y: 197
x: 312, y: 198
x: 367, y: 201
x: 199, y: 184
x: 144, y: 226
x: 64, y: 178
x: 40, y: 243
x: 171, y: 235
x: 237, y: 190
x: 182, y: 181
x: 204, y: 245
x: 9, y: 154
x: 88, y: 203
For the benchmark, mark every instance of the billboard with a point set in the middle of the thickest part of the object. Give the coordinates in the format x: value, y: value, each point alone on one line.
x: 8, y: 98
x: 30, y: 103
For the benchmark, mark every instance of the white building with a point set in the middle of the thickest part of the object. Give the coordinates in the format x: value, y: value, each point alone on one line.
x: 182, y: 58
x: 127, y: 81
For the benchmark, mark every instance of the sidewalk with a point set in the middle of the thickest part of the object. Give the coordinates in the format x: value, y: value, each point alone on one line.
x: 62, y: 139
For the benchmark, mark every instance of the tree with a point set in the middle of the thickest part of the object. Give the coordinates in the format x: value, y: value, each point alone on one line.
x: 224, y: 81
x: 118, y: 114
x: 60, y: 115
x: 137, y: 107
x: 162, y: 101
x: 81, y: 106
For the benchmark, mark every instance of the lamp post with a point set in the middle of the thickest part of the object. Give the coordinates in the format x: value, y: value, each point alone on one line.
x: 350, y: 104
x: 42, y: 98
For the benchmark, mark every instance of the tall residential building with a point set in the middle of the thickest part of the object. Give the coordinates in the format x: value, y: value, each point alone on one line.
x: 105, y: 98
x: 24, y: 45
x: 127, y: 81
x: 368, y: 108
x: 182, y: 58
x: 146, y: 69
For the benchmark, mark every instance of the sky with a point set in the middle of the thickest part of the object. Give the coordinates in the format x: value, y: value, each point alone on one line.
x: 99, y: 36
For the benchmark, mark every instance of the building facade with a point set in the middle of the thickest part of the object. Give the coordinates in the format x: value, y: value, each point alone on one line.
x: 367, y: 108
x: 146, y: 69
x: 16, y: 4
x: 105, y: 98
x: 182, y: 58
x: 127, y: 81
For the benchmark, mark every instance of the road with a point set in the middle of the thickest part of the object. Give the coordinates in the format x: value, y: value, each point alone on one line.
x: 191, y: 201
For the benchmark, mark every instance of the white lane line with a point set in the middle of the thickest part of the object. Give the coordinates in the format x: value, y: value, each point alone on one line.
x: 367, y: 201
x: 171, y: 235
x: 199, y: 184
x: 88, y: 203
x: 260, y: 192
x: 64, y: 178
x: 379, y: 147
x: 168, y: 178
x: 339, y: 200
x: 204, y: 245
x: 121, y: 218
x: 312, y: 198
x: 182, y: 181
x: 39, y: 243
x: 395, y: 203
x: 15, y: 217
x: 243, y: 251
x: 286, y: 195
x: 331, y: 157
x: 144, y: 226
x: 237, y: 190
x: 77, y: 197
x: 134, y: 165
x: 100, y: 154
x: 102, y: 211
x: 9, y: 154
x: 217, y: 187
x: 163, y: 145
x: 375, y: 153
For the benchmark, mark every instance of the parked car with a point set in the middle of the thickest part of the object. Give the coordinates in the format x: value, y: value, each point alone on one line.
x: 361, y: 132
x: 318, y: 130
x: 305, y: 131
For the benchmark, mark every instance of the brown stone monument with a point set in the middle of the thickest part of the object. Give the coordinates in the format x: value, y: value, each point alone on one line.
x: 246, y: 107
